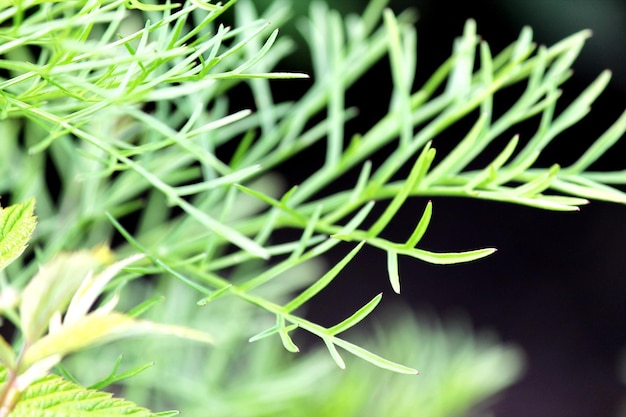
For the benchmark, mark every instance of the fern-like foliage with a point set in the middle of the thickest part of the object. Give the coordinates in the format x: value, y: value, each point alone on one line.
x: 140, y: 123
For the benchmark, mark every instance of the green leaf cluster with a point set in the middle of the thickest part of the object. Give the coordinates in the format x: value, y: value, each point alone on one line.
x: 135, y: 107
x: 460, y: 368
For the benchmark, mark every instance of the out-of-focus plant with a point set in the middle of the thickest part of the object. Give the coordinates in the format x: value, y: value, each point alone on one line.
x: 57, y: 314
x: 460, y: 370
x: 118, y: 117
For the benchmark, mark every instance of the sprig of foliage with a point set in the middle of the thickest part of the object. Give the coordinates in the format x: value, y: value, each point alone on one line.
x: 129, y: 102
x: 462, y: 368
x: 173, y: 155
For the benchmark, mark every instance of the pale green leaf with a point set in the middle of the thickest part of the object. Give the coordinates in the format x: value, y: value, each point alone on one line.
x: 287, y: 341
x: 373, y: 358
x: 334, y: 353
x: 136, y: 4
x: 115, y: 376
x: 52, y: 288
x: 206, y: 5
x: 321, y: 283
x: 95, y: 329
x: 146, y: 305
x: 448, y: 258
x: 539, y: 184
x: 421, y: 227
x: 7, y: 355
x: 392, y: 270
x: 600, y: 146
x: 92, y: 288
x: 17, y: 223
x: 417, y: 172
x: 215, y: 295
x: 265, y: 333
x: 355, y: 318
x: 490, y: 172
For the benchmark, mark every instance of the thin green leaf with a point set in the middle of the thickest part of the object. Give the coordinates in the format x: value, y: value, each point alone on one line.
x: 264, y: 334
x: 373, y: 358
x: 271, y: 201
x: 421, y: 227
x: 115, y: 377
x: 334, y: 353
x: 321, y: 283
x: 136, y: 4
x: 284, y: 335
x: 448, y: 258
x: 52, y: 288
x: 92, y: 287
x: 399, y: 199
x: 146, y: 305
x: 305, y: 240
x: 215, y: 295
x: 207, y: 6
x: 582, y: 104
x: 225, y: 180
x: 586, y: 188
x: 364, y: 176
x: 462, y: 154
x: 392, y: 270
x: 600, y: 146
x: 490, y: 173
x: 93, y: 330
x: 157, y: 261
x: 357, y: 317
x: 538, y: 184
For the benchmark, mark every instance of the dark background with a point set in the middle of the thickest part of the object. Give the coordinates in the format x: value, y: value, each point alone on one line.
x: 557, y: 285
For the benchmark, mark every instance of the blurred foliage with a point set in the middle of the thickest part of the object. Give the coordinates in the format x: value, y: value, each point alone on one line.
x: 460, y: 369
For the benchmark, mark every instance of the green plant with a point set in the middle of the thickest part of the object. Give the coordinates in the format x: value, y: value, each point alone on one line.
x: 127, y: 106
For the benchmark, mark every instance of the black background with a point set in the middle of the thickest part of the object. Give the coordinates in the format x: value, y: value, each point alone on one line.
x: 557, y: 285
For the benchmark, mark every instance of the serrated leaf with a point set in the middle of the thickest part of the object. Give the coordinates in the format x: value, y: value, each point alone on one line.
x: 52, y: 288
x: 52, y: 396
x: 95, y: 329
x: 17, y: 223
